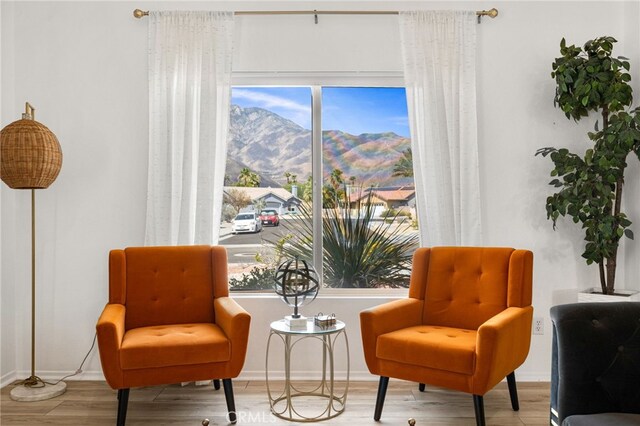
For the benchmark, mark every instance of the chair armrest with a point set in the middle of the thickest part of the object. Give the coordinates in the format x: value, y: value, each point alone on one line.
x: 384, y: 319
x: 594, y: 364
x: 502, y: 345
x: 235, y: 322
x: 110, y: 332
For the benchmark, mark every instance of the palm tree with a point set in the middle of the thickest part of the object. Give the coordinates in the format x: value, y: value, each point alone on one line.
x: 248, y: 178
x: 335, y: 178
x: 259, y: 205
x: 331, y: 192
x: 291, y: 178
x: 404, y: 165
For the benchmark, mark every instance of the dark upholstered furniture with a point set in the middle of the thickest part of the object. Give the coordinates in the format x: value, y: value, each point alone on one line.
x: 595, y: 373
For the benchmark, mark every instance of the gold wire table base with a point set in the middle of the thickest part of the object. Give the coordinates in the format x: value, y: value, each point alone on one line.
x: 282, y: 406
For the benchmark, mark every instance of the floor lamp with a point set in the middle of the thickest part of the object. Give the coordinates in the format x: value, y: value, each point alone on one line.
x: 30, y: 158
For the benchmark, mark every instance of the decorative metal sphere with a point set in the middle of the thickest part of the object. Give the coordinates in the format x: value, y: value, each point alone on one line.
x: 296, y: 282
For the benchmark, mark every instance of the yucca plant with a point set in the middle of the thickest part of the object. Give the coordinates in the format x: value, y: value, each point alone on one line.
x: 358, y: 251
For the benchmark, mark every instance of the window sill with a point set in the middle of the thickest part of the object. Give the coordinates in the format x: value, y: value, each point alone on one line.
x: 332, y: 293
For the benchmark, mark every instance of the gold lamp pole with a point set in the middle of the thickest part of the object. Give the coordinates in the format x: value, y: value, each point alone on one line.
x: 30, y: 158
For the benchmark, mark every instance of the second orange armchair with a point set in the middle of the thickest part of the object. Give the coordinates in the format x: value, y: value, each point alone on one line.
x: 465, y: 326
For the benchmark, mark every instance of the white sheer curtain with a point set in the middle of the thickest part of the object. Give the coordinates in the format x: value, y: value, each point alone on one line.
x: 439, y: 52
x: 189, y: 99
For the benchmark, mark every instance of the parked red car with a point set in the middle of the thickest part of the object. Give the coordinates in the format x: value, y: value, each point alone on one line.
x: 269, y: 217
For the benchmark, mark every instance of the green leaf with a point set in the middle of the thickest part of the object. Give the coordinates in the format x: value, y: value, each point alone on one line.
x: 628, y: 233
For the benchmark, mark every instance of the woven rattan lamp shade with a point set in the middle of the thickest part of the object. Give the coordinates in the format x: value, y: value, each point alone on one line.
x: 30, y: 155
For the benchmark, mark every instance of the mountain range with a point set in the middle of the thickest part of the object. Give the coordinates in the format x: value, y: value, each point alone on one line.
x: 271, y: 145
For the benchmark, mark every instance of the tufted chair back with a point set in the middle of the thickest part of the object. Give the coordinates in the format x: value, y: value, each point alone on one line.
x: 595, y: 360
x: 462, y: 287
x: 167, y: 285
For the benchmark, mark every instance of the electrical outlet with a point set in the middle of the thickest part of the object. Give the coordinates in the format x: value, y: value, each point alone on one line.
x: 538, y: 325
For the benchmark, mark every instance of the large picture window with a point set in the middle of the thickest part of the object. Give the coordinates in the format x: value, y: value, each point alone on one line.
x: 365, y: 221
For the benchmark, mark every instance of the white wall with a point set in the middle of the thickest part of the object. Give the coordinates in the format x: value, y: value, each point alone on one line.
x: 631, y: 198
x: 84, y: 66
x: 7, y: 206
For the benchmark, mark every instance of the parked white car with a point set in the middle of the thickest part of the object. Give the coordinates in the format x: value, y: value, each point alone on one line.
x: 246, y: 222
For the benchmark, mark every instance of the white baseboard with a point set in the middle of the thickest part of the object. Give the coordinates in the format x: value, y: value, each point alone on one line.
x: 544, y: 376
x: 51, y: 376
x: 356, y: 376
x: 8, y: 378
x: 365, y: 376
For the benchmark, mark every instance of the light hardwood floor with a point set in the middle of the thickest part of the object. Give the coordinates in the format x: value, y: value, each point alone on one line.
x: 88, y: 403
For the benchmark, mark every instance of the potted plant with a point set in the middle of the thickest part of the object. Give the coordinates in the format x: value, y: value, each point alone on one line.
x: 590, y: 185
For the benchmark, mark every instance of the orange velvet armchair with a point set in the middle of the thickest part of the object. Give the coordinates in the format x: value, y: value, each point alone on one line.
x: 170, y: 319
x: 465, y: 326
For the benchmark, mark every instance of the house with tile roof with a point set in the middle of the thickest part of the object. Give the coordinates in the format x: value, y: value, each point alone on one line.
x: 388, y: 197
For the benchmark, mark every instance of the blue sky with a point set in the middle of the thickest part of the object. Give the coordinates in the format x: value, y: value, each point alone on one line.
x: 350, y: 109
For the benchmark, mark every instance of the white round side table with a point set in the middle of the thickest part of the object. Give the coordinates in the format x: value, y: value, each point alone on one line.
x: 283, y: 405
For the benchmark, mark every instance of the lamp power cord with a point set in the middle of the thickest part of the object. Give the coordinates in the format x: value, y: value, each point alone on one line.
x: 37, y: 382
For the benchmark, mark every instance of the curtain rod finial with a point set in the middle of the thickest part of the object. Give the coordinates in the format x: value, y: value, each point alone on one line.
x: 140, y: 13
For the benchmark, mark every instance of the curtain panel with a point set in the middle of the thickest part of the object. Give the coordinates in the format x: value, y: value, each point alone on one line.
x: 439, y: 54
x: 190, y: 57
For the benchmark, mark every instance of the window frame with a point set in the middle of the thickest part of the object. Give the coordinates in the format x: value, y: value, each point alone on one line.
x: 315, y: 81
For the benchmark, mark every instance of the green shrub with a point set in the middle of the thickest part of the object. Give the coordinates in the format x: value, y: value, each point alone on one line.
x: 389, y: 213
x: 258, y: 278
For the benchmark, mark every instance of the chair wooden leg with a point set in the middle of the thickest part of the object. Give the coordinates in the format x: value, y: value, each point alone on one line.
x: 216, y: 384
x: 382, y: 391
x: 478, y: 405
x: 231, y: 404
x: 421, y: 387
x: 513, y: 391
x: 123, y: 401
